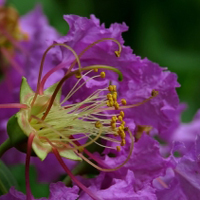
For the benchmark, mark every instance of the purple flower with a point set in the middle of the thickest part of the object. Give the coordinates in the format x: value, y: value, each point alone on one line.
x: 182, y: 180
x: 134, y: 180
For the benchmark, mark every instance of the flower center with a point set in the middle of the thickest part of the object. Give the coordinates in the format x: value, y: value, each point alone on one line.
x: 65, y: 124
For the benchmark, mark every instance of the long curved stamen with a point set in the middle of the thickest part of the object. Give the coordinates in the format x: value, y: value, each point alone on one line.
x: 73, y: 73
x: 13, y: 105
x: 117, y: 53
x: 60, y: 160
x: 39, y: 89
x: 13, y: 63
x: 48, y: 74
x: 28, y: 156
x: 61, y: 65
x: 116, y: 168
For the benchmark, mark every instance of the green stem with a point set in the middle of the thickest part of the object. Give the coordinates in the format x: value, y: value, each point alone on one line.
x: 5, y: 146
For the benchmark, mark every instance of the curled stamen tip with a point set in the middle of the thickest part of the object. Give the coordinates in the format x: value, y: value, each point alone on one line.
x: 117, y: 53
x: 154, y: 93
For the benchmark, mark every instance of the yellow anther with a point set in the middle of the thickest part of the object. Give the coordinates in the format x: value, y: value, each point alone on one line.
x: 120, y: 118
x: 114, y: 118
x: 154, y: 93
x: 109, y: 96
x: 118, y: 148
x: 116, y: 106
x: 122, y: 126
x: 123, y: 123
x: 114, y: 97
x: 123, y: 142
x: 117, y: 53
x: 115, y: 93
x: 110, y: 88
x: 96, y: 70
x: 114, y: 88
x: 98, y: 124
x: 108, y: 103
x: 122, y: 113
x: 123, y: 101
x: 111, y: 103
x: 120, y: 129
x: 102, y: 74
x: 122, y: 135
x: 113, y: 125
x: 78, y: 75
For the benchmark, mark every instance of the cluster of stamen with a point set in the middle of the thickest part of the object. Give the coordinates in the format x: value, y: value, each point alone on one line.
x: 61, y: 125
x: 87, y: 117
x: 117, y: 123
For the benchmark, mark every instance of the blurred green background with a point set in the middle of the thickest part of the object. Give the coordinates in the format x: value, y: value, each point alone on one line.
x: 167, y: 32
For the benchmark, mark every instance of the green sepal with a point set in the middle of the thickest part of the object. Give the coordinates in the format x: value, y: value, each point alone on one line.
x: 25, y: 91
x: 6, y: 179
x: 16, y: 135
x: 50, y: 90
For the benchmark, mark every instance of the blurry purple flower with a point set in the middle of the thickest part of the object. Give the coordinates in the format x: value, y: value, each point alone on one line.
x: 183, y: 180
x: 57, y: 191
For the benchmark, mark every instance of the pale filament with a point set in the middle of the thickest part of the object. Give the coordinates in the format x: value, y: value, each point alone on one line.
x: 72, y: 143
x: 71, y: 91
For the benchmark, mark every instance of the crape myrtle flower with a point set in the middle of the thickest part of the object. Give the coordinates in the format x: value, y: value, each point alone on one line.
x: 57, y: 191
x: 54, y: 126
